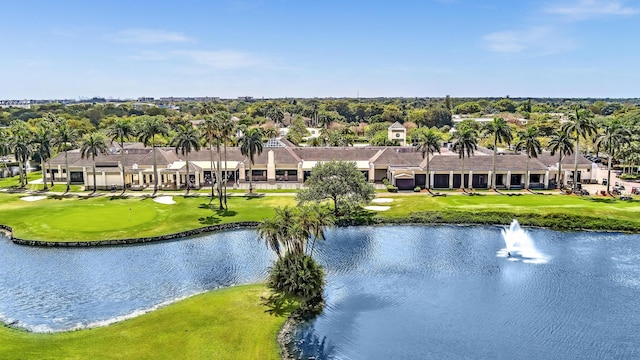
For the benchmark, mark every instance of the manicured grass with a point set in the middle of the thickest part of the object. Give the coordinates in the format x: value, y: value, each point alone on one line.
x: 557, y: 211
x: 14, y: 183
x: 221, y: 324
x: 113, y: 217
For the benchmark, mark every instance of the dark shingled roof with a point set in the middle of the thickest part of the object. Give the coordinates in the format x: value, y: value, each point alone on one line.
x: 549, y: 160
x: 485, y: 163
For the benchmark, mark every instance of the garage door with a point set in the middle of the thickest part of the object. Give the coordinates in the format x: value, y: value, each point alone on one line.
x: 405, y: 184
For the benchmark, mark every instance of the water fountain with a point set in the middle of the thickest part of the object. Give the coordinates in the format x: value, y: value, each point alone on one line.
x: 519, y: 245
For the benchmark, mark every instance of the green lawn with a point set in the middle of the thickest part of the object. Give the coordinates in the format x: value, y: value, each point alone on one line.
x: 14, y: 183
x: 544, y: 210
x: 107, y: 217
x: 221, y: 324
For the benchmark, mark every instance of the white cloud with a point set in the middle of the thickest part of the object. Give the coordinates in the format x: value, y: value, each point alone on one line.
x: 147, y: 36
x: 587, y: 9
x: 221, y: 59
x: 535, y: 41
x: 212, y: 59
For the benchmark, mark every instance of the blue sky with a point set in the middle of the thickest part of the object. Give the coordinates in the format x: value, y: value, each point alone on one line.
x: 278, y: 48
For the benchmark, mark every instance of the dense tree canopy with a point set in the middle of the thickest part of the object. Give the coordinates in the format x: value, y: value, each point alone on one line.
x: 338, y: 181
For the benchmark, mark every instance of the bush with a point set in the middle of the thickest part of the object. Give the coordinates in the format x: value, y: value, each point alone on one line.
x: 391, y: 188
x: 629, y: 177
x: 417, y: 189
x: 385, y: 181
x: 299, y: 278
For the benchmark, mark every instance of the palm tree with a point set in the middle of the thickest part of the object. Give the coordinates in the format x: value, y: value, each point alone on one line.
x: 42, y: 139
x: 465, y: 141
x: 501, y: 132
x: 251, y: 145
x: 186, y: 140
x: 428, y: 143
x: 147, y: 131
x: 210, y: 129
x: 65, y: 138
x: 93, y: 144
x: 314, y: 218
x: 276, y: 114
x: 580, y: 125
x: 228, y: 131
x: 613, y: 137
x: 560, y: 143
x: 120, y: 131
x: 4, y: 145
x: 528, y: 141
x: 269, y: 230
x: 270, y: 132
x: 19, y: 143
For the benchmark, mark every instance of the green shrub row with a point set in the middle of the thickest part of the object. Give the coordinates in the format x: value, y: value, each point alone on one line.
x: 553, y: 221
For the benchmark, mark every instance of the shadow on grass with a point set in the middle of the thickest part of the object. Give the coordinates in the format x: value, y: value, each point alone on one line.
x: 117, y: 197
x: 603, y: 200
x: 253, y: 196
x: 60, y: 197
x: 209, y: 220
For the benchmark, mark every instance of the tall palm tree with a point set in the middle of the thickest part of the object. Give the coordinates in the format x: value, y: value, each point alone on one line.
x: 92, y: 145
x: 315, y: 218
x: 4, y: 145
x: 501, y: 132
x: 269, y: 230
x: 276, y: 115
x: 120, y: 131
x: 428, y: 143
x: 228, y: 131
x: 465, y: 142
x: 186, y: 140
x: 251, y: 145
x: 580, y: 125
x: 210, y: 130
x: 612, y: 138
x: 20, y: 145
x: 147, y: 131
x: 65, y: 138
x: 562, y: 144
x: 43, y: 138
x: 529, y: 143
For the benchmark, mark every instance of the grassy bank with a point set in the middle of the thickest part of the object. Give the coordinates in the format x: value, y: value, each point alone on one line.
x: 13, y: 183
x: 114, y: 217
x: 553, y: 211
x: 221, y: 324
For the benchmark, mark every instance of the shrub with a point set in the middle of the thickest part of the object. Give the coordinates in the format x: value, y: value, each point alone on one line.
x: 391, y: 188
x: 629, y: 177
x: 299, y: 278
x: 417, y: 189
x: 385, y: 181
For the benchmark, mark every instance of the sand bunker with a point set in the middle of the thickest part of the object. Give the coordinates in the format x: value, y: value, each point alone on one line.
x: 382, y: 200
x: 378, y: 208
x: 33, y: 198
x: 167, y: 200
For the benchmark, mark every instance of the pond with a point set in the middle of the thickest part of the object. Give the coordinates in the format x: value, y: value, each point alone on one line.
x: 403, y: 292
x: 55, y: 289
x: 418, y: 292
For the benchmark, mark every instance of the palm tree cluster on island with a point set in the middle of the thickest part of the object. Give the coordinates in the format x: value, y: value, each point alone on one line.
x: 296, y: 277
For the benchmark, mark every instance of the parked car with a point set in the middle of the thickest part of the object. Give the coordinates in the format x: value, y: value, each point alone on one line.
x: 604, y: 181
x: 635, y: 190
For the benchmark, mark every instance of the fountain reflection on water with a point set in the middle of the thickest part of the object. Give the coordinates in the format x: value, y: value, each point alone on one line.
x: 519, y: 246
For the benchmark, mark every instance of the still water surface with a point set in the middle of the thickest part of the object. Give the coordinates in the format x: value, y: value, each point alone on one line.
x: 393, y: 292
x: 417, y: 292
